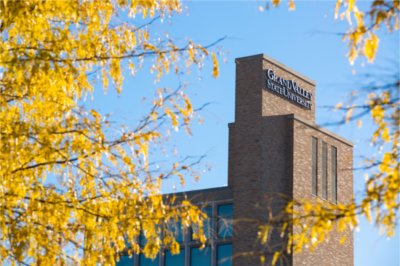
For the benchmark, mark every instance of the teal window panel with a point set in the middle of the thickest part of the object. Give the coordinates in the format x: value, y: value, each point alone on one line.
x: 225, y: 221
x: 224, y: 255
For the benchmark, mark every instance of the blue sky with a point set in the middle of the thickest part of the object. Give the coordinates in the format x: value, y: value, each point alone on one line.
x: 305, y: 40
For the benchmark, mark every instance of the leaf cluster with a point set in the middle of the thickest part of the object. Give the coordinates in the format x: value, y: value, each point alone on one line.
x: 53, y: 54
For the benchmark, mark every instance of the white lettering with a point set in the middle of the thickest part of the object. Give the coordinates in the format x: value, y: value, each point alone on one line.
x: 284, y: 87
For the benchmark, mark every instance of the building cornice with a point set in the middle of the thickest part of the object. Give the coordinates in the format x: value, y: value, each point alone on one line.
x: 322, y: 130
x: 278, y: 64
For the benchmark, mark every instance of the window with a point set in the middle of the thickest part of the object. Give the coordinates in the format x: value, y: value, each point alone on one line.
x: 207, y: 224
x: 143, y: 239
x: 143, y: 261
x: 324, y: 171
x: 175, y: 260
x: 217, y: 252
x: 125, y: 261
x: 225, y: 218
x: 200, y: 257
x: 224, y: 255
x: 175, y: 227
x: 314, y: 166
x: 334, y: 174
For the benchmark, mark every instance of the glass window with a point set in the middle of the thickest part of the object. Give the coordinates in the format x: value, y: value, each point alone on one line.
x: 142, y: 239
x: 225, y: 220
x: 175, y: 227
x: 224, y: 255
x: 334, y: 173
x: 314, y: 166
x: 125, y: 261
x: 324, y: 171
x: 200, y: 257
x: 143, y: 261
x: 175, y: 260
x: 207, y: 223
x: 128, y: 244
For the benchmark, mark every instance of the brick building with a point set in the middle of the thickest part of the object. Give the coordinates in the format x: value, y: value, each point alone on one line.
x: 276, y: 153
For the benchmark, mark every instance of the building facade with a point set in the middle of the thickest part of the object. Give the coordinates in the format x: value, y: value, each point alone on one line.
x: 276, y: 154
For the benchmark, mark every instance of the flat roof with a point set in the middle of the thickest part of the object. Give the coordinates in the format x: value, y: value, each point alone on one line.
x: 278, y: 64
x: 204, y: 195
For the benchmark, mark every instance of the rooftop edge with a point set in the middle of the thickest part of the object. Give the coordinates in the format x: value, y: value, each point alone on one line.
x: 278, y: 64
x: 322, y: 130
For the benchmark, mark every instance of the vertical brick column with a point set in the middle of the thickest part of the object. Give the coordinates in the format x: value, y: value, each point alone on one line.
x: 245, y: 165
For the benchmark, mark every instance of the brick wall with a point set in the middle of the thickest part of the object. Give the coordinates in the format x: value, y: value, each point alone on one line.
x: 331, y: 252
x: 270, y: 161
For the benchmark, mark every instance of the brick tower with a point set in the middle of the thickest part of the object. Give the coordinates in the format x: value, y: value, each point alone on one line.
x: 277, y: 153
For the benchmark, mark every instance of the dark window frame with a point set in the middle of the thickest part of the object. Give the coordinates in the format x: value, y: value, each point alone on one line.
x: 324, y: 170
x: 334, y: 176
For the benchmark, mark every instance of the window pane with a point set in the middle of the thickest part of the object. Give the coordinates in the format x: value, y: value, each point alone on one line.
x: 125, y: 261
x: 207, y: 224
x: 224, y: 255
x: 225, y: 219
x: 175, y: 260
x: 200, y: 257
x: 142, y: 237
x: 143, y: 261
x: 334, y: 173
x: 324, y: 169
x: 175, y: 227
x: 314, y: 166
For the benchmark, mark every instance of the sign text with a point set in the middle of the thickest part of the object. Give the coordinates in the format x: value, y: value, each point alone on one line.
x: 288, y: 89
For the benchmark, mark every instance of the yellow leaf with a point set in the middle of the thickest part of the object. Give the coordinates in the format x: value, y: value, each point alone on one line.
x: 175, y: 247
x: 370, y: 47
x: 151, y: 47
x: 351, y: 4
x: 262, y: 259
x: 191, y: 53
x: 276, y: 2
x: 204, y: 50
x: 337, y: 6
x: 292, y: 5
x: 377, y: 113
x: 339, y: 105
x: 359, y: 18
x: 352, y: 54
x: 349, y: 114
x: 173, y: 117
x: 215, y: 71
x: 385, y: 134
x: 275, y: 258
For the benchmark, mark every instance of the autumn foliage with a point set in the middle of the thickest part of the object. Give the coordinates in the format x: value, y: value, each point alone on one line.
x: 53, y: 54
x: 306, y: 225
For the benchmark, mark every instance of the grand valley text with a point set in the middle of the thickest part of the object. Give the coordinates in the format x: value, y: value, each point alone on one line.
x: 288, y: 89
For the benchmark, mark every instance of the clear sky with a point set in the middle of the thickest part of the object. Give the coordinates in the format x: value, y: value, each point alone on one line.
x: 305, y: 40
